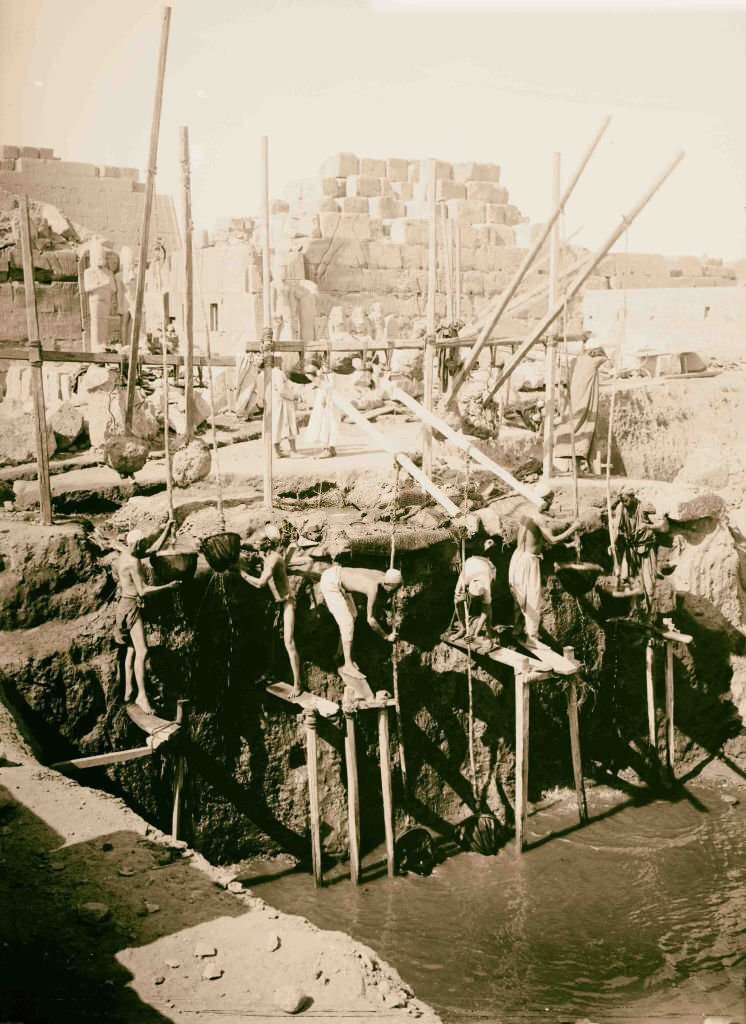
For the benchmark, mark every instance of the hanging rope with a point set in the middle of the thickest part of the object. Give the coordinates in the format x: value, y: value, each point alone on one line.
x: 211, y: 392
x: 394, y: 510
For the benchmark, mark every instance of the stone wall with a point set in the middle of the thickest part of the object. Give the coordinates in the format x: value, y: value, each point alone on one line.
x: 106, y: 200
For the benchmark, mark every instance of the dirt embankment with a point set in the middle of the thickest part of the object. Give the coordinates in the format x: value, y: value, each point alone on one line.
x: 104, y: 918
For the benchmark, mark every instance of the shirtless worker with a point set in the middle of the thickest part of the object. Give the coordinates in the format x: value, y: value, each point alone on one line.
x: 337, y: 585
x: 275, y: 576
x: 129, y: 631
x: 475, y: 584
x: 524, y: 572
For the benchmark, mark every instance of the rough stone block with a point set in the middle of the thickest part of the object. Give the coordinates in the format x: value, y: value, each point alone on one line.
x: 329, y: 205
x: 476, y: 172
x: 496, y: 213
x: 341, y: 165
x: 355, y: 204
x: 445, y: 189
x: 46, y: 154
x: 372, y: 168
x: 386, y: 255
x: 418, y: 170
x: 30, y: 151
x: 397, y: 170
x: 7, y: 163
x: 466, y: 211
x: 279, y: 206
x: 513, y: 215
x: 418, y: 210
x: 496, y: 234
x: 334, y: 187
x: 9, y: 152
x: 413, y: 255
x: 345, y: 225
x: 687, y: 505
x: 473, y: 283
x: 404, y: 190
x: 409, y: 232
x: 486, y: 192
x: 387, y: 207
x: 363, y: 185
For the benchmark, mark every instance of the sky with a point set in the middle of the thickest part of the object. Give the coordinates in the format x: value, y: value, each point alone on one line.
x: 460, y: 81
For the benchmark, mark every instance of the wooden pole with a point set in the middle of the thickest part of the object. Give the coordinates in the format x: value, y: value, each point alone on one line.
x: 670, y: 734
x: 650, y: 693
x: 166, y: 440
x: 309, y: 719
x: 353, y: 797
x: 522, y: 708
x: 186, y: 192
x: 85, y: 313
x: 181, y: 710
x: 267, y: 348
x: 457, y: 270
x: 404, y: 461
x: 461, y: 442
x: 580, y: 280
x: 574, y: 722
x: 34, y: 356
x: 445, y: 224
x: 519, y: 275
x: 551, y: 351
x: 145, y: 226
x: 429, y: 353
x: 384, y: 753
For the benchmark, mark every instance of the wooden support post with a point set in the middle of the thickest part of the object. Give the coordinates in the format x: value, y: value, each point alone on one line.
x: 181, y: 713
x: 577, y: 761
x: 522, y: 708
x: 384, y: 753
x: 551, y: 351
x: 267, y: 348
x: 35, y: 363
x: 85, y: 312
x: 457, y: 271
x: 670, y: 734
x: 309, y: 720
x: 429, y: 353
x: 445, y: 223
x: 353, y: 797
x: 650, y: 693
x: 541, y: 329
x: 145, y: 225
x: 186, y: 192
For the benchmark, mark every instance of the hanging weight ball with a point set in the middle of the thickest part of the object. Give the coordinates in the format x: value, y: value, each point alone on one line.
x: 125, y: 453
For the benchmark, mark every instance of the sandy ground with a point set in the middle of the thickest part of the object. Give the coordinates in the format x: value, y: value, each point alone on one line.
x: 105, y: 918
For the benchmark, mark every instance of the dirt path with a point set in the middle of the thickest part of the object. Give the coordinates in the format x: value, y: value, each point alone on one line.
x: 104, y: 918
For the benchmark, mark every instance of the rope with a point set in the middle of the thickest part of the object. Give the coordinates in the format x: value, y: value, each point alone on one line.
x: 211, y: 391
x: 393, y: 509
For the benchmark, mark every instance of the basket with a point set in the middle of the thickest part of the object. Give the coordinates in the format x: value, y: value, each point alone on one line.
x: 221, y: 550
x: 173, y: 564
x: 481, y: 833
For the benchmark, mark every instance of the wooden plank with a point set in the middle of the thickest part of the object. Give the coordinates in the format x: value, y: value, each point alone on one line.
x: 181, y: 706
x: 384, y: 754
x: 505, y: 656
x: 101, y: 760
x: 307, y: 701
x: 160, y: 729
x: 353, y: 797
x: 675, y: 636
x: 309, y: 719
x: 550, y: 659
x: 577, y: 761
x: 522, y: 710
x: 371, y: 705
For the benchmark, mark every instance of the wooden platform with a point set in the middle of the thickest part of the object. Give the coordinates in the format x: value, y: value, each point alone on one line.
x: 158, y: 729
x: 556, y: 663
x: 359, y: 684
x: 307, y: 701
x: 504, y: 656
x: 368, y: 705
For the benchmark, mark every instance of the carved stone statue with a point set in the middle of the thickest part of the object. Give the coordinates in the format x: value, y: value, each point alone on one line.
x: 99, y: 285
x: 126, y: 281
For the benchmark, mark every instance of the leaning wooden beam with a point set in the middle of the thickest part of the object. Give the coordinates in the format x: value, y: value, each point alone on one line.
x: 580, y: 280
x: 146, y: 213
x: 34, y: 355
x: 551, y: 357
x: 186, y: 192
x: 267, y: 348
x: 432, y: 285
x: 404, y: 461
x: 100, y: 760
x: 461, y: 442
x: 510, y: 291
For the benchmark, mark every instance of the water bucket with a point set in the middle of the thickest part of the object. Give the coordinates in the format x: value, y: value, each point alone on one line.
x: 481, y: 833
x: 578, y: 577
x: 173, y: 564
x: 221, y: 550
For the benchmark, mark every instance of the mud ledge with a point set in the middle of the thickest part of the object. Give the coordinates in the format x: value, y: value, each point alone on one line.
x: 100, y: 907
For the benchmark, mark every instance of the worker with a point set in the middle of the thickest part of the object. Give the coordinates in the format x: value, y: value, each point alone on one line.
x: 524, y: 572
x: 275, y: 576
x: 575, y: 434
x: 475, y: 585
x: 636, y: 543
x: 337, y: 586
x: 129, y: 631
x: 323, y: 424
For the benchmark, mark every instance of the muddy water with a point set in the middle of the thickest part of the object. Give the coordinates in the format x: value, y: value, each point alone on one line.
x: 643, y: 912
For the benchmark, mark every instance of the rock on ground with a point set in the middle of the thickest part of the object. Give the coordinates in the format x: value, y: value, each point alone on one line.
x: 18, y: 436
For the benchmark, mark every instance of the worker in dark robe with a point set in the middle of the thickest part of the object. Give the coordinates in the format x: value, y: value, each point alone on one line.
x: 580, y: 412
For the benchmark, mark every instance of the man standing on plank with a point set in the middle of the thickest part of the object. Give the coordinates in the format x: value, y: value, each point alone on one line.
x: 475, y: 584
x: 337, y: 586
x: 129, y: 630
x: 524, y: 572
x: 275, y: 576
